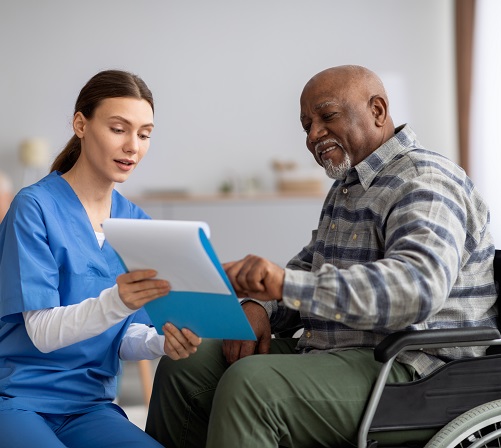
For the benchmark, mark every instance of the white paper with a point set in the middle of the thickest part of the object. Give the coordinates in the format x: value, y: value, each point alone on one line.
x: 172, y: 248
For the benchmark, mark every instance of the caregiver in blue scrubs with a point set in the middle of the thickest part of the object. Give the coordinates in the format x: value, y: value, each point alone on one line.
x: 68, y: 312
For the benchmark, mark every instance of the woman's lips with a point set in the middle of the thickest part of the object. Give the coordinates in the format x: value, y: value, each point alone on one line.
x: 125, y: 165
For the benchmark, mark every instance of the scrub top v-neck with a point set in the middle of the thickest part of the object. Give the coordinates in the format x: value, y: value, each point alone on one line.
x: 49, y: 257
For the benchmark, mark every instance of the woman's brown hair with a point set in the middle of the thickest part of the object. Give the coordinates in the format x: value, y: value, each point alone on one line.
x: 105, y: 84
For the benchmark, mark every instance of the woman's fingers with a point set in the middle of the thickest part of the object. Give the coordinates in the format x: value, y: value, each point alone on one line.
x: 192, y: 338
x: 139, y: 287
x: 136, y: 276
x: 179, y: 344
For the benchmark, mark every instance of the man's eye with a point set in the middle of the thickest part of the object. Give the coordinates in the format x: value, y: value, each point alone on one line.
x: 329, y: 115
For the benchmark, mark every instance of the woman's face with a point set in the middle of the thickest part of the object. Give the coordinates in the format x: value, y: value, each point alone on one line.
x: 116, y: 138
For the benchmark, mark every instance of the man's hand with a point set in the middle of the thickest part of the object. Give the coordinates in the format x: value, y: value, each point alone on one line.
x: 258, y: 318
x: 137, y: 288
x: 256, y: 277
x: 179, y: 344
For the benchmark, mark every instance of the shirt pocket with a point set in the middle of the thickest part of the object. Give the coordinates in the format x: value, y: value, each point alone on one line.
x: 352, y: 247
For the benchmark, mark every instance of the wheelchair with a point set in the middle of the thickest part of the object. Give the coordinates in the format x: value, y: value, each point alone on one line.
x: 461, y: 400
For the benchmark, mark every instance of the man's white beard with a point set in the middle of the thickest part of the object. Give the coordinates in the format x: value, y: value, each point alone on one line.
x: 339, y: 171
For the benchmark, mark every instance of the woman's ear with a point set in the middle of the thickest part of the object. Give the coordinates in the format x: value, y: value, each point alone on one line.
x: 379, y: 109
x: 79, y: 122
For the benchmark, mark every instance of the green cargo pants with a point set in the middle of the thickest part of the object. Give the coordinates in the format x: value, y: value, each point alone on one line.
x: 279, y: 399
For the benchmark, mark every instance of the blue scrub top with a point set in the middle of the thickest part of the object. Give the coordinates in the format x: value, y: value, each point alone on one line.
x: 49, y: 256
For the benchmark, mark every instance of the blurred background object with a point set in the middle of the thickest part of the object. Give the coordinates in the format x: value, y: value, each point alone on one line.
x: 291, y: 178
x: 34, y: 155
x: 6, y: 194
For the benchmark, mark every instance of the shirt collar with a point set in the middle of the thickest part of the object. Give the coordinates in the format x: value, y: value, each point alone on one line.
x: 403, y: 141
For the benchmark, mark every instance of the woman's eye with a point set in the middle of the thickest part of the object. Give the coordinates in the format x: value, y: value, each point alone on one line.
x: 144, y: 136
x: 117, y: 130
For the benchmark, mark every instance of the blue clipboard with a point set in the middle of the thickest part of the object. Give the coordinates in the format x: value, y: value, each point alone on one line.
x: 207, y: 314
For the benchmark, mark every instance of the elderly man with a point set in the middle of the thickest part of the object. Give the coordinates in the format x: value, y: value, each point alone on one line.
x: 402, y: 243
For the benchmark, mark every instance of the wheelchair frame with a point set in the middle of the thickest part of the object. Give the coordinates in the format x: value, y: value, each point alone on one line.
x: 458, y: 386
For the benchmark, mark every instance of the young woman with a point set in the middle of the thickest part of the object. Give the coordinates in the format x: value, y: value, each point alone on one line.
x: 68, y: 312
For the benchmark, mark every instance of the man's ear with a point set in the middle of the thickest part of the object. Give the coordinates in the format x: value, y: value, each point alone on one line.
x: 379, y: 109
x: 79, y: 123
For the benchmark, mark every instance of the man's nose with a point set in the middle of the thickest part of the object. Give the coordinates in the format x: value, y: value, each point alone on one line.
x: 317, y: 131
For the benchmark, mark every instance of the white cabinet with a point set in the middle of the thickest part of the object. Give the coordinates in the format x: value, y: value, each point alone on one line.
x: 276, y: 227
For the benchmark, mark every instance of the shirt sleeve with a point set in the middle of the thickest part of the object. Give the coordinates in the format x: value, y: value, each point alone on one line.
x: 282, y: 317
x: 141, y: 342
x: 31, y: 282
x: 54, y: 328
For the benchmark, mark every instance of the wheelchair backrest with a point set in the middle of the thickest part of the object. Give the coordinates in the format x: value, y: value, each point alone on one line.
x: 497, y: 279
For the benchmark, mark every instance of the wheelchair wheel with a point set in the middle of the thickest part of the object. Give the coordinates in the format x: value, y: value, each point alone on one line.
x: 479, y: 427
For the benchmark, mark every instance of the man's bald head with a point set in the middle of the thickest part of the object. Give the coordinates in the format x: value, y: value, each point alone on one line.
x: 350, y: 80
x: 344, y: 111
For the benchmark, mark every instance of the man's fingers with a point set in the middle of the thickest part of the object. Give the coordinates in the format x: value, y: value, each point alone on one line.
x: 235, y: 350
x: 254, y: 275
x: 245, y: 274
x: 264, y: 346
x: 228, y: 265
x: 247, y: 348
x: 229, y: 351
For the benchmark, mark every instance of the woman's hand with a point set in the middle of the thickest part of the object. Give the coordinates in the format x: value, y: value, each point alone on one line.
x: 137, y: 288
x: 179, y: 344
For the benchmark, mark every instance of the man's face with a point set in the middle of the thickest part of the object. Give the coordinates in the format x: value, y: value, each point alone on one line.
x: 339, y: 123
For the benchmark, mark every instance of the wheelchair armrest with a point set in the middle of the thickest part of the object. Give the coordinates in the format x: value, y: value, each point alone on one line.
x: 396, y: 342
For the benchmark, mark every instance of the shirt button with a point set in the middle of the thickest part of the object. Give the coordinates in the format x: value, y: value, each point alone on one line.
x: 345, y: 190
x: 333, y: 226
x: 308, y: 334
x: 337, y: 316
x: 297, y: 303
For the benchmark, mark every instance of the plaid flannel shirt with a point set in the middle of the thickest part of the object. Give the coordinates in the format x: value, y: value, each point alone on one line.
x: 402, y: 243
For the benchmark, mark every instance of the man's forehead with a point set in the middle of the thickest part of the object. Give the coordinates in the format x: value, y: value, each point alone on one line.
x: 316, y: 107
x: 324, y: 104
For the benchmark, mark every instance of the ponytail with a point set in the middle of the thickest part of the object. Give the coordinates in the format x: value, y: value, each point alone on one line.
x: 68, y: 156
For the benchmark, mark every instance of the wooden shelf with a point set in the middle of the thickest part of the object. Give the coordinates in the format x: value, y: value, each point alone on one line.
x: 230, y: 197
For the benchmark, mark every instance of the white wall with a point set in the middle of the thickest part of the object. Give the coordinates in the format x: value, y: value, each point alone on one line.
x: 485, y: 140
x: 226, y: 74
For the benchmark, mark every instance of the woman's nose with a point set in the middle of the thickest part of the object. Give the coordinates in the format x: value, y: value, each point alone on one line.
x: 132, y: 144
